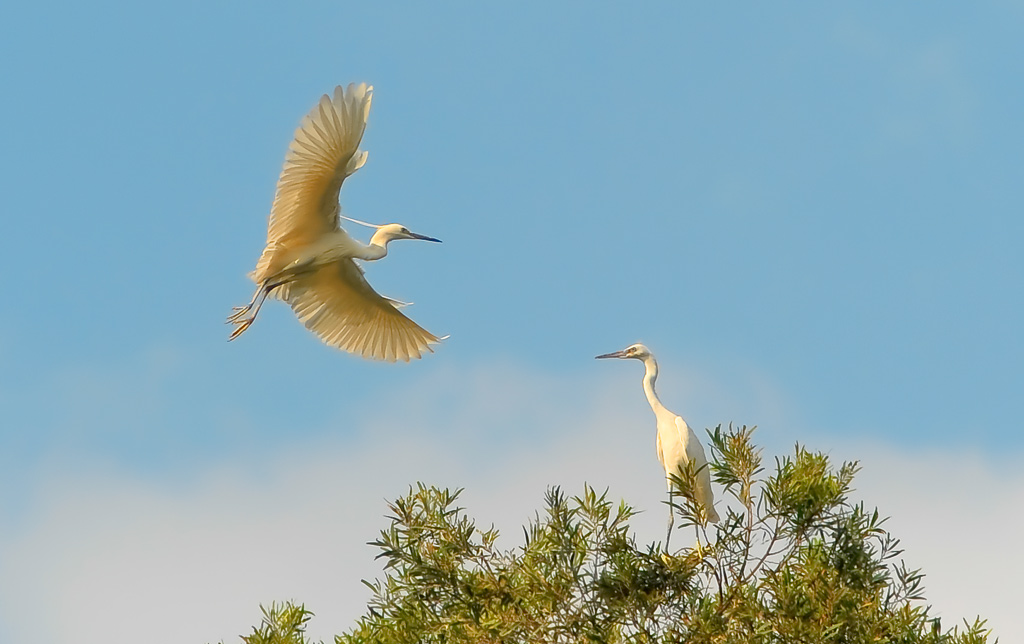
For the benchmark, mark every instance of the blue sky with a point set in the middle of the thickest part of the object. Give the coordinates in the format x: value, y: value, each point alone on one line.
x: 811, y: 214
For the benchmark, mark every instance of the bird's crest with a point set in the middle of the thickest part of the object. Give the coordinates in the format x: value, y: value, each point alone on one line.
x: 361, y: 223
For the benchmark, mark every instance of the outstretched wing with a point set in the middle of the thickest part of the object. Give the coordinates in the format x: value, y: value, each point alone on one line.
x: 337, y: 304
x: 324, y: 152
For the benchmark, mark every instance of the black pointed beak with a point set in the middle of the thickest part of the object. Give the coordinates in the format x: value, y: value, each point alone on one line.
x: 617, y: 354
x: 424, y: 237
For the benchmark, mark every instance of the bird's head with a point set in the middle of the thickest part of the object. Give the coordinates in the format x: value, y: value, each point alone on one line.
x: 391, y: 232
x: 637, y: 351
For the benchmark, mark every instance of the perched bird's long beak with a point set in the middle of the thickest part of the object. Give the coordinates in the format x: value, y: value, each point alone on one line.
x: 617, y: 354
x: 424, y: 237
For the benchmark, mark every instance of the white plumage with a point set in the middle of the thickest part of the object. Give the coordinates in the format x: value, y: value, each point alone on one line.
x: 677, y: 443
x: 309, y: 258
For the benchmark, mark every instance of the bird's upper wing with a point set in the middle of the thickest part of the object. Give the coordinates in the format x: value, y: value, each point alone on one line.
x: 694, y: 450
x: 324, y: 152
x: 337, y: 304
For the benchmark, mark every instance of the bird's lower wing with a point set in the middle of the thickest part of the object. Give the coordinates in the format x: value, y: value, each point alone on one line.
x: 695, y: 455
x: 337, y: 304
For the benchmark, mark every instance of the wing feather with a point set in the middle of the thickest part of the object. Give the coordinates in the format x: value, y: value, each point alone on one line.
x: 337, y: 304
x: 323, y: 153
x: 695, y: 454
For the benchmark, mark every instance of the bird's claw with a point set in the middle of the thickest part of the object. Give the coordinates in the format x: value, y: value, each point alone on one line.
x: 239, y: 312
x: 241, y: 327
x: 702, y: 551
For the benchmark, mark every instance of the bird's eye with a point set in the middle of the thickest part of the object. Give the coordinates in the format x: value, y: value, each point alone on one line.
x: 405, y: 230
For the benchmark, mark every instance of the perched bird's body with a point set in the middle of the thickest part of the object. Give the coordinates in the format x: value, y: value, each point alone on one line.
x: 309, y: 259
x: 678, y: 445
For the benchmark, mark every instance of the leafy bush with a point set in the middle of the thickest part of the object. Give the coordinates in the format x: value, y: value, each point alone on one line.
x: 793, y: 560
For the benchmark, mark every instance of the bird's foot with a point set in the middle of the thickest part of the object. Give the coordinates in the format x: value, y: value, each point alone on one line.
x: 239, y: 312
x: 242, y: 325
x: 703, y: 550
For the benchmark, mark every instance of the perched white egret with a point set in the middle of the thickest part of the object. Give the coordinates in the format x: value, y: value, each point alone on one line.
x: 677, y: 444
x: 309, y: 258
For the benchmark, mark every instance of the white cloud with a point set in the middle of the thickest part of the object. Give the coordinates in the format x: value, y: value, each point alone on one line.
x: 109, y: 557
x: 958, y: 517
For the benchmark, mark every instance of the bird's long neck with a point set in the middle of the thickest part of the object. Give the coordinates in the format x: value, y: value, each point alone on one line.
x: 376, y: 249
x: 650, y: 376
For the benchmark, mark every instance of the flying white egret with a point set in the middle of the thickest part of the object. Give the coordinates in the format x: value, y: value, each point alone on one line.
x: 309, y: 258
x: 677, y: 444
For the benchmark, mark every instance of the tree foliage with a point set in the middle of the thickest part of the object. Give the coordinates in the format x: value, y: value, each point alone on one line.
x: 793, y: 560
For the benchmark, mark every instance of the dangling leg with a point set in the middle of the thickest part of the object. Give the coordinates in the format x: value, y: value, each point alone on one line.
x: 281, y: 277
x: 239, y: 311
x: 243, y: 323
